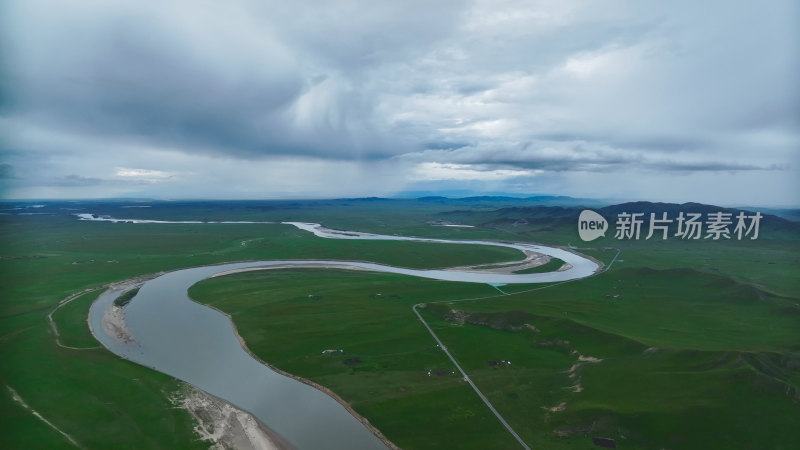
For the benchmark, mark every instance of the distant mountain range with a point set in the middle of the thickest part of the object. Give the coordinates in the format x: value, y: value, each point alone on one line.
x: 546, y: 218
x: 553, y: 200
x: 483, y: 209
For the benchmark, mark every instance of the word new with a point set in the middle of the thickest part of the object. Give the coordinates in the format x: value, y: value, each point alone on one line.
x: 591, y: 225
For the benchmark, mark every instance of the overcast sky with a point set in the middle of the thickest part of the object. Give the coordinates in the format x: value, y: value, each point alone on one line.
x: 653, y: 100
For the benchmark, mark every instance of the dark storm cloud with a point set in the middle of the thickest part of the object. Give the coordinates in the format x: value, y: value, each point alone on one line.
x: 630, y: 142
x: 575, y: 157
x: 77, y: 180
x: 292, y: 84
x: 7, y: 172
x: 130, y: 84
x: 446, y: 145
x: 514, y: 86
x: 710, y: 166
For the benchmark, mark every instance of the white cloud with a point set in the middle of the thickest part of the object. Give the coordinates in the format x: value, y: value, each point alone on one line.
x: 147, y: 175
x: 443, y: 171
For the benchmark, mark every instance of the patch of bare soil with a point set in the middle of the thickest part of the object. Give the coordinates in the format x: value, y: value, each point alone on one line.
x: 113, y: 321
x: 225, y: 426
x: 573, y: 371
x: 559, y: 407
x: 532, y: 259
x: 508, y: 321
x: 114, y: 325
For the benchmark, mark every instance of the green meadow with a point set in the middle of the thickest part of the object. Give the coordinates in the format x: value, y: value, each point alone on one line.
x: 683, y: 364
x: 698, y: 342
x: 97, y: 398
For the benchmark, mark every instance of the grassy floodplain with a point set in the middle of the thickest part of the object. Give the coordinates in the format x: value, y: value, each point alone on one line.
x: 682, y: 364
x: 95, y: 397
x: 699, y: 350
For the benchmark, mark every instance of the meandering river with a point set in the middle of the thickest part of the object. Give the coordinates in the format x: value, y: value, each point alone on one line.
x: 197, y: 344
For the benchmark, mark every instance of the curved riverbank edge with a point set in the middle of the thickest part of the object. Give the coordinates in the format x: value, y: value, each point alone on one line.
x: 298, y: 264
x: 322, y: 231
x: 116, y: 286
x: 593, y: 267
x: 601, y: 266
x: 214, y: 417
x: 275, y: 440
x: 364, y: 421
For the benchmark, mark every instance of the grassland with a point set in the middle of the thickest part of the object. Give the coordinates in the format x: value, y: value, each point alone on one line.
x: 368, y: 316
x: 683, y: 364
x: 699, y: 348
x: 97, y: 398
x: 70, y: 321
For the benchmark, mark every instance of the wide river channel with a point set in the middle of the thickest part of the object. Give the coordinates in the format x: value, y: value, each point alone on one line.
x: 197, y: 344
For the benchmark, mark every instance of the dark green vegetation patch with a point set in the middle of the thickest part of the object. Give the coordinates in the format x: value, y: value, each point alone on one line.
x: 550, y: 266
x: 126, y: 297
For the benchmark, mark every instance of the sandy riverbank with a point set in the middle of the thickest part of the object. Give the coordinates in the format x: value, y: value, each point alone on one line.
x: 225, y: 426
x: 217, y: 421
x: 114, y: 325
x: 113, y: 321
x: 299, y: 265
x: 318, y: 386
x: 532, y: 259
